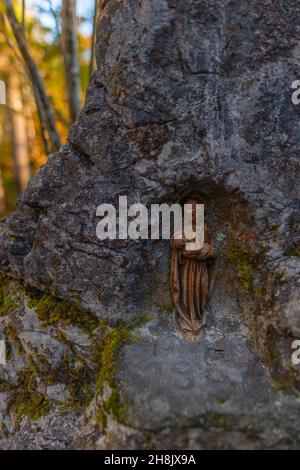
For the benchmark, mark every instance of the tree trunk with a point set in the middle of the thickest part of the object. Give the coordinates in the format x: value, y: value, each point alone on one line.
x: 32, y: 137
x: 70, y: 51
x: 92, y: 59
x: 23, y: 13
x: 2, y: 194
x: 18, y: 133
x: 45, y: 110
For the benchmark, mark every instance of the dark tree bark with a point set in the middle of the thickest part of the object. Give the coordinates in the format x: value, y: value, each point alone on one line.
x: 70, y: 52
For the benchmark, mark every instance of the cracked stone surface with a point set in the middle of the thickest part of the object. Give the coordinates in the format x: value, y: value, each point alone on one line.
x: 188, y: 95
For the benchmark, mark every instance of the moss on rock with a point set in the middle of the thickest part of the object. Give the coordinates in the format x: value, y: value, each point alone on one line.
x: 51, y: 310
x: 26, y: 400
x: 8, y: 302
x: 247, y: 258
x: 113, y: 338
x: 107, y: 352
x: 29, y: 398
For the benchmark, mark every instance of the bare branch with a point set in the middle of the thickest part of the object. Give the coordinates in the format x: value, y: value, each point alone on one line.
x: 45, y: 110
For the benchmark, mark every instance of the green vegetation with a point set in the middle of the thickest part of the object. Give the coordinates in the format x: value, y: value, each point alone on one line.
x: 12, y: 333
x: 166, y: 307
x: 81, y: 381
x: 27, y: 153
x: 287, y: 381
x: 7, y: 302
x: 51, y: 310
x: 78, y: 380
x: 112, y: 406
x: 100, y: 295
x: 221, y: 400
x: 26, y: 400
x: 142, y: 319
x: 218, y: 421
x: 247, y: 261
x: 221, y: 422
x: 107, y: 351
x: 295, y: 252
x: 31, y: 408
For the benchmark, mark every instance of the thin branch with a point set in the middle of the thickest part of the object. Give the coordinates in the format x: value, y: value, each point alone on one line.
x: 45, y: 110
x: 57, y: 25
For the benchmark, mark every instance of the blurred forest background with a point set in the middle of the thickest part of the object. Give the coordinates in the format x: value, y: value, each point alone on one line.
x: 46, y: 59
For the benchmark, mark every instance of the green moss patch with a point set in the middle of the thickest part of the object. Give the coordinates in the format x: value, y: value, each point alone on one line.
x: 215, y: 421
x: 113, y: 338
x: 247, y: 259
x: 78, y: 380
x: 51, y: 310
x: 12, y: 334
x: 26, y: 401
x: 29, y: 407
x: 82, y: 381
x: 8, y: 301
x: 107, y: 352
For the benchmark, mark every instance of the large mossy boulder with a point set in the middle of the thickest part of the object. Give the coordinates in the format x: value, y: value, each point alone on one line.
x: 188, y: 95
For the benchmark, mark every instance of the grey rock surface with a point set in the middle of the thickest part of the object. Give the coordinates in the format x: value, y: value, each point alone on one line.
x: 211, y: 395
x: 58, y: 392
x: 188, y: 96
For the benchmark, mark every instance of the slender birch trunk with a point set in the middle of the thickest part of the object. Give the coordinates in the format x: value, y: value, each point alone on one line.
x: 32, y: 136
x: 71, y: 60
x: 18, y: 132
x: 92, y: 59
x: 45, y: 110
